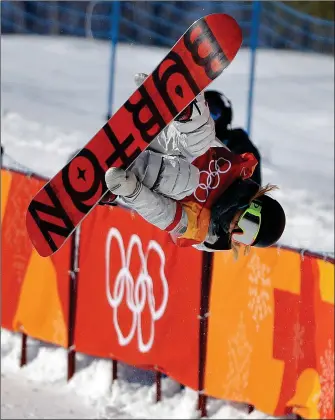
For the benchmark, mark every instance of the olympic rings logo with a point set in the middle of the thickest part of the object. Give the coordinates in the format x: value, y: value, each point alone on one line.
x: 213, y: 178
x: 136, y: 291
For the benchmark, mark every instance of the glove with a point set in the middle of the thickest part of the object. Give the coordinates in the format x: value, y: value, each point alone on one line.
x: 139, y: 78
x: 121, y: 182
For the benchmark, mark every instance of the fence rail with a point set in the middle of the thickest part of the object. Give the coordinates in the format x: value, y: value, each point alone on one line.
x: 162, y: 22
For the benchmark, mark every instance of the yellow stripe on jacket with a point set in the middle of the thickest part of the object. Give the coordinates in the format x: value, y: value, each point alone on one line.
x: 198, y: 224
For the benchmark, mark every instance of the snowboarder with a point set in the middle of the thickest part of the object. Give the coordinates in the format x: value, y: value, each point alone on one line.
x: 192, y: 186
x: 236, y: 139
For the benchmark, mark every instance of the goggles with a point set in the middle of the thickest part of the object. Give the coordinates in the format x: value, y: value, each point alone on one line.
x: 215, y: 113
x: 249, y: 223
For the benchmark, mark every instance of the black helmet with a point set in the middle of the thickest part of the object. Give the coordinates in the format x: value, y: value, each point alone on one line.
x: 220, y: 108
x: 240, y: 196
x: 273, y: 222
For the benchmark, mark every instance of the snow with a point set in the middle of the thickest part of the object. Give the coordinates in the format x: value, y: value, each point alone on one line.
x: 39, y: 389
x: 54, y: 98
x: 20, y: 395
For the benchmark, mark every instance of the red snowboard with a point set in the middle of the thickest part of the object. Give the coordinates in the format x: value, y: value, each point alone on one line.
x: 198, y: 58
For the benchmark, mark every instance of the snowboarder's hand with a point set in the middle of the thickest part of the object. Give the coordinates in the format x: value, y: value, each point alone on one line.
x: 121, y: 182
x: 139, y: 78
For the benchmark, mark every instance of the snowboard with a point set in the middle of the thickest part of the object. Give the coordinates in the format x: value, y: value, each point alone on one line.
x: 198, y: 57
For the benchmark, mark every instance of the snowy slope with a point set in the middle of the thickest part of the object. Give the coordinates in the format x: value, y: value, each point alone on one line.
x: 54, y: 98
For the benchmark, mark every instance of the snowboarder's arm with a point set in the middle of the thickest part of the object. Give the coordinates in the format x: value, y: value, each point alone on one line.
x: 162, y: 212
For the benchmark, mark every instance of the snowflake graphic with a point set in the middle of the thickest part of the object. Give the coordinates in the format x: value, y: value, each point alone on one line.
x: 326, y: 401
x: 58, y: 328
x: 239, y: 353
x: 19, y: 266
x: 226, y: 257
x: 298, y: 341
x: 15, y: 231
x: 259, y: 290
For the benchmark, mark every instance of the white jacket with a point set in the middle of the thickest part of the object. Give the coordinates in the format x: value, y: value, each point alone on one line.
x: 165, y: 171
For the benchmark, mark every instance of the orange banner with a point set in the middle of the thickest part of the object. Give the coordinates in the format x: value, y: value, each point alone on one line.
x: 34, y: 289
x: 138, y: 295
x: 271, y: 332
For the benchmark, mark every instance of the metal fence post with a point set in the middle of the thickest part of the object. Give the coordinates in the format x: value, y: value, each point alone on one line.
x: 115, y: 18
x: 73, y: 292
x: 207, y: 264
x: 256, y: 14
